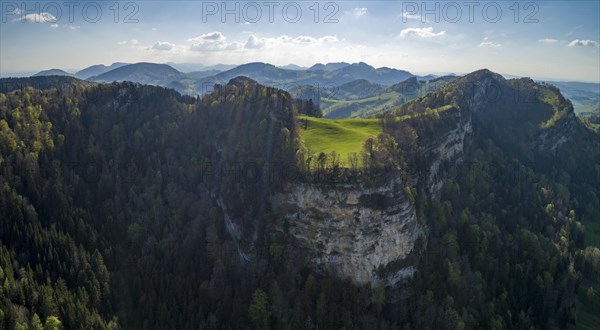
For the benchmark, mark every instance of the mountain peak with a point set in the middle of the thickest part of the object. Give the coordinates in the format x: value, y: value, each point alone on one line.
x: 52, y: 72
x: 328, y: 67
x: 257, y: 65
x: 362, y: 65
x: 484, y: 74
x: 242, y: 80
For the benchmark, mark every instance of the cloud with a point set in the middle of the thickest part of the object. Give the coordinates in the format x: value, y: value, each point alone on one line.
x: 132, y: 42
x: 212, y: 36
x: 409, y: 16
x: 548, y: 41
x: 72, y: 27
x: 305, y: 39
x: 358, y: 12
x: 584, y: 43
x: 212, y: 41
x: 254, y: 43
x: 328, y: 39
x: 54, y: 25
x: 36, y: 18
x: 216, y: 41
x: 489, y: 44
x: 421, y: 33
x: 163, y: 46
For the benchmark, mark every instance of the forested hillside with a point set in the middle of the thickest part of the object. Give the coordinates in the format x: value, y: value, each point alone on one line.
x: 125, y: 206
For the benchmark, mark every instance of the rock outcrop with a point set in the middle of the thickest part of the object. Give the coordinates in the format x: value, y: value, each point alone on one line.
x: 352, y: 230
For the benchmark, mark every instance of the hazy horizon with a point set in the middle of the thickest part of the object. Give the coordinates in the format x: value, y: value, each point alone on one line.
x: 437, y: 73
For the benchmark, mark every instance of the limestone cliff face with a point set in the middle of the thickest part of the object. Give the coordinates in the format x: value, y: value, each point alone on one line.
x: 449, y: 149
x: 352, y: 230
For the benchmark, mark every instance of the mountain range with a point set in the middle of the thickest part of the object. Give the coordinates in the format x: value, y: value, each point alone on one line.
x: 342, y: 81
x: 96, y: 70
x: 196, y: 80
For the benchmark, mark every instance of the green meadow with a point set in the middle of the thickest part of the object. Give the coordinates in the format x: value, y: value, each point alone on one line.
x: 344, y: 136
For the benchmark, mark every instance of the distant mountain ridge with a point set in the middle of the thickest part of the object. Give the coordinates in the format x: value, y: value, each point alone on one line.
x: 53, y: 72
x: 335, y: 78
x: 96, y: 70
x: 328, y: 66
x: 144, y: 73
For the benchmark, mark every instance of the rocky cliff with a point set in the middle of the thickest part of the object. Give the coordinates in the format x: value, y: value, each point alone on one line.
x: 352, y: 230
x: 449, y: 147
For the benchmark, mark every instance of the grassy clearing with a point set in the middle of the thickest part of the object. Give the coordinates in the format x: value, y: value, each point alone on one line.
x: 344, y: 136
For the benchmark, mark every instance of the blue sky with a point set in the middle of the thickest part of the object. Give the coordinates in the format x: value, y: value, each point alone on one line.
x: 541, y: 39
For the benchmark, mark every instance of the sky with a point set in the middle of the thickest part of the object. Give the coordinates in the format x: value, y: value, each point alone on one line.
x: 538, y: 39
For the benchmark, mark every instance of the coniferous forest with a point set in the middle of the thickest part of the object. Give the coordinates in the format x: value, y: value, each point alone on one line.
x: 129, y: 206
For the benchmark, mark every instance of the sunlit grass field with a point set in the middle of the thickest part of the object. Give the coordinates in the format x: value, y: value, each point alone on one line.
x: 344, y: 136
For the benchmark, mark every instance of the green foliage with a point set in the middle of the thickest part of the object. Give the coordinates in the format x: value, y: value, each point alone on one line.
x: 259, y: 311
x: 52, y: 323
x: 36, y: 323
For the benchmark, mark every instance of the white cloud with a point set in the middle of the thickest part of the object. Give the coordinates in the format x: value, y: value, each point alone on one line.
x: 305, y: 39
x: 132, y: 42
x: 426, y: 32
x: 358, y: 12
x: 409, y: 16
x: 489, y: 44
x: 585, y: 43
x: 548, y: 41
x: 72, y: 27
x: 36, y: 18
x: 54, y: 25
x: 254, y: 42
x: 213, y: 36
x: 212, y: 41
x: 163, y: 46
x: 328, y: 39
x: 216, y: 41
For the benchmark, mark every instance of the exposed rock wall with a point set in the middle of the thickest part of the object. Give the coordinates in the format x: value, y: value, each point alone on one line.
x: 451, y: 149
x: 352, y: 230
